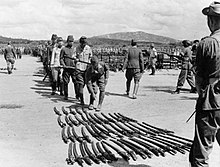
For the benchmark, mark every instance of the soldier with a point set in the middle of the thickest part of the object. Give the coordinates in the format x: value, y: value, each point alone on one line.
x: 50, y: 48
x: 55, y: 66
x: 18, y: 52
x: 96, y: 76
x: 186, y: 72
x: 10, y: 56
x: 153, y: 59
x: 207, y: 119
x: 67, y: 60
x: 134, y: 65
x: 83, y: 55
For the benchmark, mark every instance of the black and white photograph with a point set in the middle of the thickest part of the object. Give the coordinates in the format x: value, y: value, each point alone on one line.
x: 109, y: 83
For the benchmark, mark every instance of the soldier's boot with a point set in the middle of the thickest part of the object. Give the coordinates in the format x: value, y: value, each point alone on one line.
x: 81, y: 99
x: 61, y: 89
x: 136, y: 86
x: 9, y: 70
x: 128, y: 85
x: 65, y: 86
x: 91, y: 107
x: 12, y: 66
x: 193, y: 90
x: 177, y: 91
x: 153, y: 70
x: 101, y: 98
x: 53, y: 86
x: 76, y: 88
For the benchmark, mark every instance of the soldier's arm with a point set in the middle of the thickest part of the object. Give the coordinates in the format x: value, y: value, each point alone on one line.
x: 13, y: 52
x: 52, y: 57
x: 5, y: 53
x: 125, y: 62
x: 62, y: 57
x: 205, y: 48
x: 141, y: 61
x: 88, y: 81
x: 48, y: 56
x: 106, y: 69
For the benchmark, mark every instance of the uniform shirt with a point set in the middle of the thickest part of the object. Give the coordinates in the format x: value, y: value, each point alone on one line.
x: 9, y: 52
x: 83, y: 54
x: 208, y: 57
x: 55, y: 58
x: 134, y: 59
x: 66, y: 56
x: 186, y: 55
x: 102, y: 71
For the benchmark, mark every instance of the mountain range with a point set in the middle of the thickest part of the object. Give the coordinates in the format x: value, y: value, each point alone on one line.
x: 139, y: 36
x: 113, y: 39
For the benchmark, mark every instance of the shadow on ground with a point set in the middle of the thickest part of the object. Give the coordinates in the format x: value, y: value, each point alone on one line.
x: 43, y: 88
x: 188, y: 98
x: 166, y: 89
x: 123, y: 163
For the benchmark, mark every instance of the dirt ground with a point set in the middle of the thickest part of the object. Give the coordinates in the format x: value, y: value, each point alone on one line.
x: 30, y: 135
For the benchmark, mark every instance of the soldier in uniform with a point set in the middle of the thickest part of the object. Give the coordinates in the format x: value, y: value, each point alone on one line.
x: 49, y: 54
x: 96, y: 76
x: 134, y: 65
x: 55, y: 67
x: 207, y: 119
x: 67, y: 60
x: 83, y: 55
x: 10, y: 56
x: 153, y: 59
x: 186, y: 72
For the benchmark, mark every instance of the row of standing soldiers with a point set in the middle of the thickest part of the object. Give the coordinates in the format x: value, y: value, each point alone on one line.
x: 79, y: 64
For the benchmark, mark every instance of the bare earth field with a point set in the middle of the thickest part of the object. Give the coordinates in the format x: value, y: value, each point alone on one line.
x: 30, y: 135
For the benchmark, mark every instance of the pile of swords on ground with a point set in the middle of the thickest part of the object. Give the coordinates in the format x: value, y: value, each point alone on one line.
x: 106, y: 137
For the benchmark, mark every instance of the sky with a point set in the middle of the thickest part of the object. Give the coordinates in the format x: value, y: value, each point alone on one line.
x: 38, y: 19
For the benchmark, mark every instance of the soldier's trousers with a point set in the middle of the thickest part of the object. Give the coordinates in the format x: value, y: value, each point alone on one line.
x: 93, y: 85
x: 207, y: 128
x: 56, y: 82
x: 10, y: 64
x: 80, y: 80
x: 67, y: 73
x: 186, y: 74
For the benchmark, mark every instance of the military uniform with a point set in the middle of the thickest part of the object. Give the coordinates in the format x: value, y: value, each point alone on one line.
x: 207, y: 120
x: 96, y: 77
x: 49, y: 54
x: 153, y: 59
x: 56, y: 70
x: 10, y: 57
x: 67, y: 55
x: 134, y: 65
x: 186, y: 72
x: 83, y: 53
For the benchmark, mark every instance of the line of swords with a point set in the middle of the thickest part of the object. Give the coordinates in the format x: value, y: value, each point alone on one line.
x: 106, y: 137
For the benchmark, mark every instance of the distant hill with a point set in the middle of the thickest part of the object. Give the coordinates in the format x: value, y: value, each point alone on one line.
x: 4, y: 40
x: 139, y: 36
